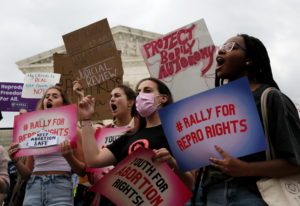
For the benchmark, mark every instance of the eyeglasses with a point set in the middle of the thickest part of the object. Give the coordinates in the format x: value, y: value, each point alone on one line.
x: 230, y: 45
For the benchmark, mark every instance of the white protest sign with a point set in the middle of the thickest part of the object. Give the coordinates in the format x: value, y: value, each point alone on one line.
x: 41, y: 139
x: 183, y: 59
x: 35, y: 84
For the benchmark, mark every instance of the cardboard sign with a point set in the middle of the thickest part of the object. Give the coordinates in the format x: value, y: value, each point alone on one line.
x: 64, y: 65
x: 186, y: 55
x: 35, y: 84
x: 225, y: 116
x: 89, y: 37
x: 101, y: 71
x: 60, y: 122
x: 94, y: 54
x: 11, y: 100
x: 138, y: 181
x: 97, y: 63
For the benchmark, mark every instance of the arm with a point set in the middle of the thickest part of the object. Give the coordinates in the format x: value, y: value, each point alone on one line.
x: 237, y: 168
x: 163, y: 155
x: 93, y: 157
x: 74, y: 157
x: 4, y: 179
x: 26, y: 169
x: 78, y: 90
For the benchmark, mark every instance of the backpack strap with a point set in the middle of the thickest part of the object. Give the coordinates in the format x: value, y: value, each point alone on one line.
x: 270, y: 154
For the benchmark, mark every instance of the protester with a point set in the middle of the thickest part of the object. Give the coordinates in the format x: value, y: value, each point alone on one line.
x: 50, y: 180
x: 122, y: 106
x: 4, y: 178
x: 153, y: 94
x: 231, y: 181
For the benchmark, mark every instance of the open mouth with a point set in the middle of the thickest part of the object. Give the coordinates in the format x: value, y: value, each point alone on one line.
x: 49, y: 105
x: 113, y: 107
x: 220, y: 62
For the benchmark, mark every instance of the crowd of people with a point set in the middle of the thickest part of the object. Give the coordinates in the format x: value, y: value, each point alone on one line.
x: 227, y: 181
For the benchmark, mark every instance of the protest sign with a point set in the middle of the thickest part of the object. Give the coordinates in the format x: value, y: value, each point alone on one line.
x: 94, y: 53
x: 63, y: 65
x: 35, y: 84
x: 11, y: 100
x: 89, y: 37
x: 46, y: 129
x: 104, y: 137
x: 138, y: 181
x: 186, y: 55
x: 97, y: 63
x: 225, y: 116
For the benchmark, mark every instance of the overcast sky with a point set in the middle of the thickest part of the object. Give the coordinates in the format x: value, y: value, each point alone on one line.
x: 29, y: 27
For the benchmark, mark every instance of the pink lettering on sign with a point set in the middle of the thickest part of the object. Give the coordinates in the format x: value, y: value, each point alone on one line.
x: 178, y: 52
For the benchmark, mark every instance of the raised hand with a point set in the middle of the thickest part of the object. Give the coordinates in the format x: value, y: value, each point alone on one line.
x: 78, y: 89
x: 86, y: 107
x: 230, y: 166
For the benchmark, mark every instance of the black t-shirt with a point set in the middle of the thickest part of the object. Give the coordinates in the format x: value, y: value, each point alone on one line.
x: 284, y: 131
x: 152, y: 138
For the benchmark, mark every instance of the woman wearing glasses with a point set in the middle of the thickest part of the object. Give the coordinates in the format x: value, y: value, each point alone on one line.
x: 231, y: 181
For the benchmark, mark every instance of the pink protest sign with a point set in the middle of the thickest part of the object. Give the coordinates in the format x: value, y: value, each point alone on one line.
x: 184, y: 55
x: 138, y: 181
x: 104, y: 137
x: 40, y: 132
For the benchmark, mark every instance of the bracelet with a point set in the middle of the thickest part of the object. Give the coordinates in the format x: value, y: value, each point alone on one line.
x: 85, y: 123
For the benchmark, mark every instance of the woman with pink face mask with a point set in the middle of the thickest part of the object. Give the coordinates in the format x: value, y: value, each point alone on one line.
x: 153, y: 94
x: 49, y: 175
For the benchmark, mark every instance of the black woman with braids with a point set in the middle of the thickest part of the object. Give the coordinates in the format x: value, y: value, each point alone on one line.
x: 231, y: 181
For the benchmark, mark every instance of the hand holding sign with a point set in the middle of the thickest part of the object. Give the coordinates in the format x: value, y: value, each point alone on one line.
x: 13, y: 149
x: 66, y: 149
x: 230, y: 166
x: 163, y: 155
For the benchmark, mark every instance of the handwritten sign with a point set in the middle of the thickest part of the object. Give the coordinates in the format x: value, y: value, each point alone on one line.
x: 11, y: 100
x: 101, y: 71
x: 60, y: 122
x: 138, y: 181
x: 225, y: 116
x: 96, y: 63
x: 35, y: 84
x: 186, y: 55
x: 63, y: 64
x: 94, y: 54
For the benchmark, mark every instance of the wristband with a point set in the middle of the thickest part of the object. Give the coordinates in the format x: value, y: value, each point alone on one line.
x: 85, y: 123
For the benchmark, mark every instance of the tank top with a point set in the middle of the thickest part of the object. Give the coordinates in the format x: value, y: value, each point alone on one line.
x: 51, y: 162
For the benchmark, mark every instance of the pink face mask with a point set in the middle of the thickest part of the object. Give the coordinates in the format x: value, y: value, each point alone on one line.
x: 145, y: 104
